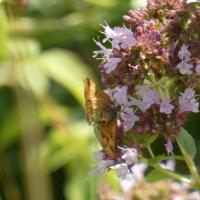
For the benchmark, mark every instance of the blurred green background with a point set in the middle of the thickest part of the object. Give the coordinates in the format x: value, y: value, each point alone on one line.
x: 45, y: 53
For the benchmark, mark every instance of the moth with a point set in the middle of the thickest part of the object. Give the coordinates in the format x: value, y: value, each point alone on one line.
x: 102, y: 114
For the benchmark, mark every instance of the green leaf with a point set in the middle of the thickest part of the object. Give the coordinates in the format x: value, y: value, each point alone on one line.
x: 156, y: 160
x: 157, y: 175
x: 187, y: 143
x: 67, y: 69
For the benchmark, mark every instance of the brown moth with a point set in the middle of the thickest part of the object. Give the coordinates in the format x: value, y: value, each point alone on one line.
x: 101, y: 113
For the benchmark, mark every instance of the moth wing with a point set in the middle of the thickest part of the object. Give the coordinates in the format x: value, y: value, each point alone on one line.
x: 96, y: 100
x: 106, y: 134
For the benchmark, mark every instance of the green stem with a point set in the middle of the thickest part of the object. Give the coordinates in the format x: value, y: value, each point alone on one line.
x: 156, y: 85
x: 192, y: 168
x: 168, y: 172
x: 150, y: 151
x: 174, y: 175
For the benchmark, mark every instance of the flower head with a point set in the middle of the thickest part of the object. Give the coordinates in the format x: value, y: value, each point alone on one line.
x: 148, y: 97
x: 103, y: 50
x: 198, y: 69
x: 122, y: 168
x: 187, y: 101
x: 111, y: 64
x: 166, y: 107
x: 130, y: 155
x: 128, y: 118
x: 102, y: 164
x: 184, y: 68
x: 184, y: 53
x: 121, y: 37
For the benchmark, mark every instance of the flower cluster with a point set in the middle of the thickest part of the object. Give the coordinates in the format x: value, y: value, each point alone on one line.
x: 150, y: 72
x: 152, y: 67
x: 164, y: 189
x: 127, y: 166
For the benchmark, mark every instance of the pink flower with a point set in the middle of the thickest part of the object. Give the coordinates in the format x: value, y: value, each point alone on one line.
x: 130, y: 155
x: 184, y: 54
x: 120, y: 95
x: 133, y: 177
x: 198, y: 69
x: 103, y: 50
x: 166, y: 107
x: 127, y: 183
x: 122, y: 168
x: 126, y: 113
x: 187, y: 101
x: 102, y: 164
x: 148, y: 97
x: 138, y: 170
x: 128, y: 118
x: 111, y: 64
x: 169, y: 146
x: 121, y: 37
x: 184, y: 68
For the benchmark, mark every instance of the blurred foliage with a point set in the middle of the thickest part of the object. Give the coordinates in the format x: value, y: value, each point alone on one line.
x: 46, y: 52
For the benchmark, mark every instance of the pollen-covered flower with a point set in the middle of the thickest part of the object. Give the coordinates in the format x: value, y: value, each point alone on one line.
x: 187, y: 101
x: 166, y: 107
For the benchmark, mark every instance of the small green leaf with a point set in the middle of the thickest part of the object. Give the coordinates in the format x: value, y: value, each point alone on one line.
x: 156, y: 160
x: 156, y: 175
x: 187, y: 142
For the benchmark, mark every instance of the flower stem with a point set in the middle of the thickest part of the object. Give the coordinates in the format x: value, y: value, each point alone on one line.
x: 174, y: 175
x: 150, y: 151
x: 191, y: 166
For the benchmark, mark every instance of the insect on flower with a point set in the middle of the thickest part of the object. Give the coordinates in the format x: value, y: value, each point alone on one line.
x: 102, y: 114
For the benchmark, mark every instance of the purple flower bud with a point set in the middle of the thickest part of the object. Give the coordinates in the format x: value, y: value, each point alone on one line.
x: 169, y: 146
